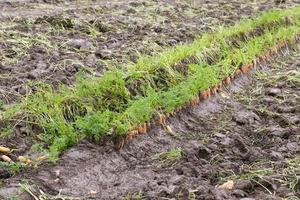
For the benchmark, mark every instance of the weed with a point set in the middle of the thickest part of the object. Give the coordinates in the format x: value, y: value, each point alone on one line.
x: 38, y: 194
x: 170, y: 157
x: 13, y: 167
x: 134, y: 196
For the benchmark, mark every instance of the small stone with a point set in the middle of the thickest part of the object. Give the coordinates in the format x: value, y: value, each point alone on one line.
x: 273, y: 91
x: 131, y: 11
x: 104, y: 54
x: 247, y: 199
x: 268, y: 100
x: 293, y: 146
x: 276, y: 155
x: 25, y: 130
x: 239, y: 193
x: 284, y: 191
x: 245, y: 117
x: 243, y: 185
x: 80, y: 44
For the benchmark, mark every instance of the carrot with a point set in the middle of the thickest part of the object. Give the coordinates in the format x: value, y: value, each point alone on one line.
x: 129, y: 135
x: 197, y: 99
x: 245, y: 69
x: 238, y: 72
x: 228, y: 80
x: 220, y: 85
x: 173, y: 113
x: 6, y: 158
x: 4, y: 149
x: 121, y: 144
x: 254, y: 63
x: 145, y: 128
x: 208, y: 93
x: 164, y: 120
x: 140, y: 129
x: 203, y: 95
x: 215, y: 90
x: 161, y: 119
x: 24, y: 160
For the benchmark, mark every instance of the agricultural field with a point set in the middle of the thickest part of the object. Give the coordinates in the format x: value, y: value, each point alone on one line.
x: 150, y: 99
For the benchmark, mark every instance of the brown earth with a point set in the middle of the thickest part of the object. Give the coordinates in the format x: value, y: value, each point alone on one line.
x: 248, y: 134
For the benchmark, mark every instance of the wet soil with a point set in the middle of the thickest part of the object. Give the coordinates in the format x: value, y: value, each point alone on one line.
x: 50, y: 41
x: 249, y: 135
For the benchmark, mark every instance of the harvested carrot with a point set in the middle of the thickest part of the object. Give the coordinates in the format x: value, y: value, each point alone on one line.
x: 6, y: 158
x: 21, y: 158
x: 245, y: 69
x: 228, y: 80
x: 140, y: 129
x: 129, y: 135
x: 228, y: 185
x: 24, y: 160
x: 254, y: 63
x: 215, y: 89
x: 4, y: 149
x: 208, y: 93
x: 203, y: 95
x: 238, y: 72
x: 160, y: 119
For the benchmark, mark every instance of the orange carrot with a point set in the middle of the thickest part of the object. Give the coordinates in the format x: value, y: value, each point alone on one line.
x: 6, y: 158
x: 24, y: 160
x: 228, y: 80
x: 245, y: 69
x: 254, y: 63
x: 140, y: 129
x: 4, y: 149
x: 145, y: 128
x: 238, y: 72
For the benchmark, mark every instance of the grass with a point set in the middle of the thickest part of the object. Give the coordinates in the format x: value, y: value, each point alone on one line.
x: 12, y: 167
x: 288, y: 175
x: 37, y: 194
x: 121, y: 100
x: 134, y: 196
x: 169, y: 157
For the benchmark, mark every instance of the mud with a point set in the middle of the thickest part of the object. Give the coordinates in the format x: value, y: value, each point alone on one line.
x: 51, y: 41
x: 248, y: 134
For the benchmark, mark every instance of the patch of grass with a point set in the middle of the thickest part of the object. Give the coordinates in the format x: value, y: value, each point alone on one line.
x: 287, y: 175
x: 12, y: 167
x: 134, y: 196
x: 170, y: 157
x: 38, y: 194
x: 293, y: 77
